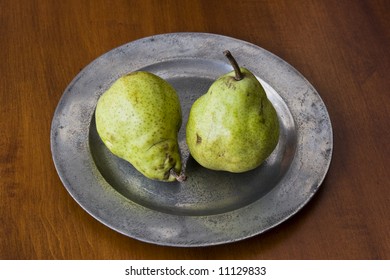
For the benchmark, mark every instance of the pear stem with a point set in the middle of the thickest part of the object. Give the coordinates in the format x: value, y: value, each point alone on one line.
x: 239, y: 76
x: 179, y: 177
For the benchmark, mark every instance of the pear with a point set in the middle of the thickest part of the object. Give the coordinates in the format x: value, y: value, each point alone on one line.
x: 233, y: 127
x: 138, y: 119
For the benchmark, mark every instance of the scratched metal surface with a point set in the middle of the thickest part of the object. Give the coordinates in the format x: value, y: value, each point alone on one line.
x: 210, y: 207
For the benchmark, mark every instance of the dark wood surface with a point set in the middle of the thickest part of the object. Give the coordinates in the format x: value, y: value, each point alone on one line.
x: 341, y: 47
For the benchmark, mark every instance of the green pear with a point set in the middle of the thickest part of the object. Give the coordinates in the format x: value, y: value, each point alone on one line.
x: 233, y: 127
x: 138, y: 119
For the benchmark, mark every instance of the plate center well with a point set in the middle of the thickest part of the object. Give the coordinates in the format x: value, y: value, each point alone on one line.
x: 205, y: 192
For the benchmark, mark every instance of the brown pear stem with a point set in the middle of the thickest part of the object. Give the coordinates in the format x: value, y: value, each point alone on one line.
x: 239, y: 76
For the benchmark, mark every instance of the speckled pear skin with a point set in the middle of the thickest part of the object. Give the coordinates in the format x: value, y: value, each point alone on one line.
x: 233, y: 127
x: 138, y: 119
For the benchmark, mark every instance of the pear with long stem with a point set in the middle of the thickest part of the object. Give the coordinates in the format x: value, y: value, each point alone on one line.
x: 233, y: 127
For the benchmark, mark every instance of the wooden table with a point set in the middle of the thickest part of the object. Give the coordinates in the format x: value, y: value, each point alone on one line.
x: 341, y: 47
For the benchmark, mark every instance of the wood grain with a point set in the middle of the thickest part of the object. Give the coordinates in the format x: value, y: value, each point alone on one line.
x: 341, y: 47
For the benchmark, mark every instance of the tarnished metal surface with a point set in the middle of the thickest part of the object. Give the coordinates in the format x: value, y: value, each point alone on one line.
x: 210, y: 207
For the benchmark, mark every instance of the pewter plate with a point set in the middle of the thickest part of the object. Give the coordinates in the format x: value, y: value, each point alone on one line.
x: 210, y: 207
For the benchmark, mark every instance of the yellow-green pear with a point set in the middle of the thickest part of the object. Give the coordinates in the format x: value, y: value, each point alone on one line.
x: 233, y: 127
x: 138, y: 119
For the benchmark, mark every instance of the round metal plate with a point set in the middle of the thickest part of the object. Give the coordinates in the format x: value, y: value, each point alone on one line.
x: 210, y: 207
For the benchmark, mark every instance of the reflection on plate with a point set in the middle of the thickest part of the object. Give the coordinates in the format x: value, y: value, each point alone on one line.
x: 210, y: 207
